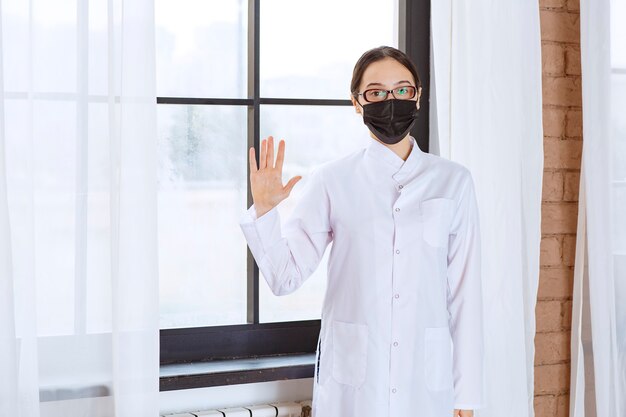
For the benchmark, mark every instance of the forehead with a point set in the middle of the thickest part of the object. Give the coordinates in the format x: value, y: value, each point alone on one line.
x: 387, y: 72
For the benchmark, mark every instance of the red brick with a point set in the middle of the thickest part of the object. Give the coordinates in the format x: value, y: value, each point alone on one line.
x: 562, y: 405
x: 562, y: 91
x: 560, y: 26
x: 555, y: 283
x: 552, y: 348
x: 562, y: 129
x: 552, y: 379
x: 569, y: 250
x: 545, y: 405
x: 571, y: 186
x: 548, y: 316
x: 573, y: 5
x: 552, y: 59
x: 552, y: 4
x: 553, y: 121
x: 550, y: 251
x: 559, y: 217
x: 562, y: 153
x: 572, y: 60
x: 574, y: 123
x: 566, y: 314
x: 552, y: 186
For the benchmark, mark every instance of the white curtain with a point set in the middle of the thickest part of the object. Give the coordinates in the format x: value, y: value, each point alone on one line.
x: 486, y: 111
x: 78, y: 244
x: 598, y: 373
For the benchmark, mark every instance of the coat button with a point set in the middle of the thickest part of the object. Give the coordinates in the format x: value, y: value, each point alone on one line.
x: 397, y: 209
x: 393, y: 390
x: 397, y: 295
x: 397, y: 250
x: 400, y: 186
x: 395, y: 343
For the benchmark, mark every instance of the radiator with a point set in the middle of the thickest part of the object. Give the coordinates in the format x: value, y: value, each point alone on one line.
x: 281, y: 409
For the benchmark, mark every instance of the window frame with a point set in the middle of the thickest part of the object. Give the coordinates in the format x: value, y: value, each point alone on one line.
x: 256, y: 340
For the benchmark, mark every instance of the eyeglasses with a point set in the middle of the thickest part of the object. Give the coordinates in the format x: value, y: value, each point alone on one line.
x: 373, y: 95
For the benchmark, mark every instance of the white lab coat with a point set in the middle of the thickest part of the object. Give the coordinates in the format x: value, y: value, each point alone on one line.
x: 401, y: 322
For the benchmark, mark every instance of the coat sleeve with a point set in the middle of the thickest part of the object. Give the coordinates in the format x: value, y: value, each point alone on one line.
x: 465, y: 301
x: 288, y: 255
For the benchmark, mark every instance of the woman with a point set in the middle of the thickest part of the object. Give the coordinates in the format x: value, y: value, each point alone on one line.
x: 401, y: 329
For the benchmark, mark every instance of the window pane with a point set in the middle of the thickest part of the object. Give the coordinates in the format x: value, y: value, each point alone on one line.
x: 202, y: 190
x: 201, y: 48
x: 308, y: 49
x: 312, y: 134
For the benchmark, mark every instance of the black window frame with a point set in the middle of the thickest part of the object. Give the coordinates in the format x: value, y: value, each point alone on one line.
x: 254, y: 339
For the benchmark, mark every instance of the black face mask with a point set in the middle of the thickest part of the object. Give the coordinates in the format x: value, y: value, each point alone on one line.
x: 390, y: 120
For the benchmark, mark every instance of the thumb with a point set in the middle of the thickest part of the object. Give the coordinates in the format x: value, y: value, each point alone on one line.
x: 292, y: 182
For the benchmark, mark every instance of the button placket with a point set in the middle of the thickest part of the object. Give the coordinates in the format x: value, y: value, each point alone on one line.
x: 396, y: 317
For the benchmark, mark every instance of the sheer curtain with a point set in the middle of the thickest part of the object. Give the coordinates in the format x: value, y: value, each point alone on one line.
x: 78, y: 247
x: 486, y: 114
x: 598, y: 373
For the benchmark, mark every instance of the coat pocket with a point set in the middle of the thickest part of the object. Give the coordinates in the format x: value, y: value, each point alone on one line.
x: 436, y: 215
x: 438, y: 358
x: 349, y: 342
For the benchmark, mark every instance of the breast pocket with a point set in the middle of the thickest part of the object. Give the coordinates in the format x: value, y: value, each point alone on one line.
x: 436, y: 214
x: 437, y: 358
x: 349, y: 342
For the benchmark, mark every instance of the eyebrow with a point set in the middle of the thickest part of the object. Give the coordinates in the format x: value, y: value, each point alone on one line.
x: 399, y: 82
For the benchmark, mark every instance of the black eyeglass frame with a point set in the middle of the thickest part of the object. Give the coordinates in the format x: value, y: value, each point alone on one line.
x: 415, y: 90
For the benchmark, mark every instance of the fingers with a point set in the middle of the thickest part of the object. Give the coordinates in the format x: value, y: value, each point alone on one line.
x: 263, y: 158
x: 293, y: 181
x: 266, y: 160
x: 270, y: 152
x: 252, y: 160
x: 281, y: 155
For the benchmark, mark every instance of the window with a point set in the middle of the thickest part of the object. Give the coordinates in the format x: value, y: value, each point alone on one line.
x: 230, y: 73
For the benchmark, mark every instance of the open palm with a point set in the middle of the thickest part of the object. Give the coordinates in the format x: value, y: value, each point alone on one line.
x: 266, y: 179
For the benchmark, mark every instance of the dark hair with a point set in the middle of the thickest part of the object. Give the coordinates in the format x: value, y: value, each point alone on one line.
x: 377, y: 54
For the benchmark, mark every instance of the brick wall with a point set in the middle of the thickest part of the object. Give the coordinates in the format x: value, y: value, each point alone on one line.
x: 562, y: 124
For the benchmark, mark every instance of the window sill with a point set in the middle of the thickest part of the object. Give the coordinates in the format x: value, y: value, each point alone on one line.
x: 236, y: 371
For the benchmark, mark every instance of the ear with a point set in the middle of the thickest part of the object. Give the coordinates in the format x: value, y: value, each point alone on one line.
x: 419, y: 94
x: 356, y: 105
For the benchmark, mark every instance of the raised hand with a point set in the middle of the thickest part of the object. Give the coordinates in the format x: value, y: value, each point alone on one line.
x: 266, y: 179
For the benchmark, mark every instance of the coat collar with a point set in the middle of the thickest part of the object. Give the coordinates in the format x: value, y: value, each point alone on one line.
x: 390, y: 162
